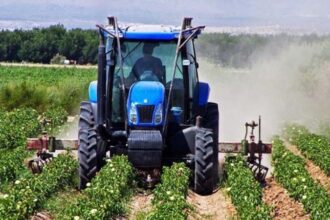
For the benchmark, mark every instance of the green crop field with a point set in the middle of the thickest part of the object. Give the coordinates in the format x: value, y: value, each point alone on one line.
x: 30, y: 94
x: 43, y: 88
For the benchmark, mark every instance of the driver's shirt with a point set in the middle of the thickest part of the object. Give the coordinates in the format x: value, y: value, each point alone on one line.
x: 147, y: 63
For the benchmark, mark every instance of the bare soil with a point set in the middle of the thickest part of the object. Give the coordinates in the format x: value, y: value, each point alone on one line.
x: 316, y: 173
x: 284, y: 207
x: 140, y: 203
x: 213, y: 207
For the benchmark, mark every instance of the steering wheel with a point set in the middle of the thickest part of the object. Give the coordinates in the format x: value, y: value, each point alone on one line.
x: 148, y: 75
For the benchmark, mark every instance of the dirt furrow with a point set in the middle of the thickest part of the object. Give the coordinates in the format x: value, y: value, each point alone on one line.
x: 213, y: 207
x: 284, y: 207
x: 316, y: 173
x: 141, y: 203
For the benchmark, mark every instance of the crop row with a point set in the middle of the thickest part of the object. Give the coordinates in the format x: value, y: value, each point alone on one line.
x: 289, y: 170
x: 106, y: 195
x: 44, y: 88
x: 314, y: 147
x: 27, y: 194
x: 169, y: 200
x: 244, y: 190
x: 17, y: 125
x: 11, y: 164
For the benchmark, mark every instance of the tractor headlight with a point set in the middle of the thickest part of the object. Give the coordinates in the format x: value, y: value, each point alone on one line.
x: 133, y: 114
x: 159, y: 114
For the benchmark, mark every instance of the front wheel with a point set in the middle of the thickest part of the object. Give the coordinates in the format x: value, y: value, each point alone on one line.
x: 92, y: 148
x: 87, y: 154
x: 204, y: 154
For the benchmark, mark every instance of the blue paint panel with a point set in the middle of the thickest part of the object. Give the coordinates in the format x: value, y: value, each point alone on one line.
x: 92, y: 92
x: 203, y: 93
x: 146, y: 93
x: 132, y: 35
x: 150, y: 35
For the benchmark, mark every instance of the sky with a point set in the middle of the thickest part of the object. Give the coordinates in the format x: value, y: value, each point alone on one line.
x: 299, y: 14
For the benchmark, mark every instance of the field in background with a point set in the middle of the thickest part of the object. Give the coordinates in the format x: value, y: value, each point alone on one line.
x: 44, y: 88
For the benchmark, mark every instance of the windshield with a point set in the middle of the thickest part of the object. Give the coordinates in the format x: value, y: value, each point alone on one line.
x: 145, y: 61
x: 148, y: 60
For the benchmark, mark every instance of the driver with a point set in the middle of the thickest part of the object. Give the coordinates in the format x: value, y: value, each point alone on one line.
x: 147, y: 65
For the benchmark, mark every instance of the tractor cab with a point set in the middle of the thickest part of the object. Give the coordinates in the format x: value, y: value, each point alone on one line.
x: 146, y: 65
x: 147, y: 103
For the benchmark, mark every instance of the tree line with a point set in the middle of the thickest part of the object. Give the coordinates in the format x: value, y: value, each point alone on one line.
x: 40, y: 45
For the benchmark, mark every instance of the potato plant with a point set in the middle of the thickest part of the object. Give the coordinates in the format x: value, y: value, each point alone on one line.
x: 314, y: 147
x: 169, y: 200
x: 289, y: 170
x: 106, y: 195
x: 55, y: 117
x: 16, y: 126
x: 12, y: 164
x: 244, y: 190
x: 27, y: 194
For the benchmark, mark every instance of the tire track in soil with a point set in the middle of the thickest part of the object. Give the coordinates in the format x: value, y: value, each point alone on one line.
x: 141, y: 202
x: 316, y: 173
x: 216, y: 206
x: 285, y: 207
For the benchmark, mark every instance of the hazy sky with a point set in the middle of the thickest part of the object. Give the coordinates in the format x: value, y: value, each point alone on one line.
x: 292, y: 13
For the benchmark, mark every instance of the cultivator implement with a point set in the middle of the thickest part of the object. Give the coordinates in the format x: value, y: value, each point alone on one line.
x: 45, y: 145
x: 253, y: 152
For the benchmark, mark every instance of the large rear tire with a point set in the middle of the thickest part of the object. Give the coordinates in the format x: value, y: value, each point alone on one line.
x: 203, y: 176
x: 211, y: 121
x: 91, y: 151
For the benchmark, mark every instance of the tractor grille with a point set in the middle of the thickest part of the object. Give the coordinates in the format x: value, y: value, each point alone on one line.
x: 145, y: 113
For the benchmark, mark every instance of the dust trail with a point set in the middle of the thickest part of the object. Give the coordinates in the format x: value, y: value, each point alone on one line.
x: 291, y: 85
x: 69, y: 130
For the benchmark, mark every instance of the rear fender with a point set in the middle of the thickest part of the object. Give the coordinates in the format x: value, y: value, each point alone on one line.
x: 92, y: 92
x: 184, y: 140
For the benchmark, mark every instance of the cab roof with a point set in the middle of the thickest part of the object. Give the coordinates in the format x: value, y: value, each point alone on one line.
x: 150, y: 32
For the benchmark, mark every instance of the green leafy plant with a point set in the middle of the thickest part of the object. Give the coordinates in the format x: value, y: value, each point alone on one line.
x: 54, y: 117
x: 169, y: 200
x: 12, y: 164
x: 16, y: 126
x: 289, y: 170
x: 244, y: 190
x: 27, y: 194
x: 106, y: 195
x: 314, y: 147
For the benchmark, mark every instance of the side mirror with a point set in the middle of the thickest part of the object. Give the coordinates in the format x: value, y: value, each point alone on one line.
x: 203, y: 93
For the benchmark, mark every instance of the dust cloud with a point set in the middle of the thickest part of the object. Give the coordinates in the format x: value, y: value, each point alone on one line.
x: 286, y: 84
x: 69, y: 130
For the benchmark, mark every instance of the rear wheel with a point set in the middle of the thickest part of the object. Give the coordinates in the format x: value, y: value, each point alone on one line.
x: 203, y: 176
x: 92, y: 149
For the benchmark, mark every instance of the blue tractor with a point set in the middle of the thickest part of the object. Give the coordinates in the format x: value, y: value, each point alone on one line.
x: 148, y: 104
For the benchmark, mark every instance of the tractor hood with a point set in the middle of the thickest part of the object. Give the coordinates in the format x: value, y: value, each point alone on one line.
x: 145, y: 104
